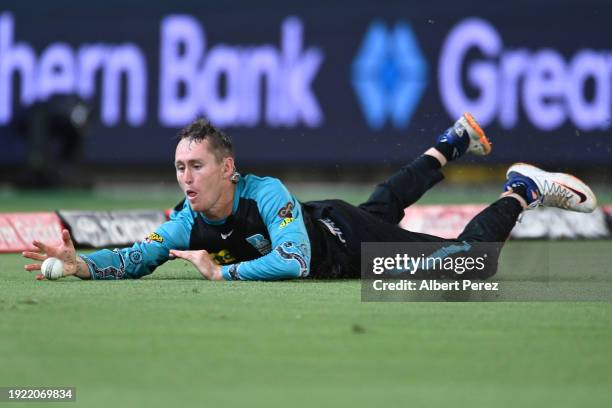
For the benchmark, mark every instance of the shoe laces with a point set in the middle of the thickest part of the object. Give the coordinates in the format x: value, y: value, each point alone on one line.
x: 554, y: 195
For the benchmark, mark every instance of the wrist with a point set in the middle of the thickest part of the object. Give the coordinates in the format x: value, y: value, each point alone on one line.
x: 81, y: 269
x: 217, y: 273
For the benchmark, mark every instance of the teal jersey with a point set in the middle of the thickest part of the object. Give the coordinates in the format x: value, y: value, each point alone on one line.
x: 263, y: 239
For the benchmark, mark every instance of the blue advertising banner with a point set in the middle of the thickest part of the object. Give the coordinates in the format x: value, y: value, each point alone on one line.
x: 316, y: 83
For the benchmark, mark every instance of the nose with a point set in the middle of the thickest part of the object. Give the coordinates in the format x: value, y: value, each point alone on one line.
x: 187, y: 179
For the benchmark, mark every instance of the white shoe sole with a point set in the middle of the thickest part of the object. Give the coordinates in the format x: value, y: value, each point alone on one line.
x: 581, y: 197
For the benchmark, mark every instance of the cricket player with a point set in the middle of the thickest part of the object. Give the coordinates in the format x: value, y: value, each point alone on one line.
x: 233, y: 227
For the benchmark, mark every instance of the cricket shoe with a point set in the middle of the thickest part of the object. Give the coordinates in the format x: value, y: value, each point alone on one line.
x: 466, y: 136
x: 550, y: 189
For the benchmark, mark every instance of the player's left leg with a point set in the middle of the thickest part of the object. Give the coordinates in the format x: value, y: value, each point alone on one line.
x: 405, y: 187
x: 528, y: 187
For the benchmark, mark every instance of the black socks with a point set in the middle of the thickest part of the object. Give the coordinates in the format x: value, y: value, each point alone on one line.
x: 447, y: 150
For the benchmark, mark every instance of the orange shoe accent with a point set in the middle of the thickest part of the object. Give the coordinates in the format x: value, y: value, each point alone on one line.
x: 483, y: 138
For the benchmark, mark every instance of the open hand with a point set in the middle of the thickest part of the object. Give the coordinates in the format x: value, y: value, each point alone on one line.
x: 202, y: 261
x: 64, y: 251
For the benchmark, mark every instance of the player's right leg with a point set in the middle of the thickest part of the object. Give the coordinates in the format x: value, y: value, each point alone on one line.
x: 465, y: 136
x: 405, y: 187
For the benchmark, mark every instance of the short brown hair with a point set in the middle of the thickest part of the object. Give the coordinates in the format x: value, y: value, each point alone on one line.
x: 201, y: 129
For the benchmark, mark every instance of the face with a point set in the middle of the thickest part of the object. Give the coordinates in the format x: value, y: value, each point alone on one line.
x: 203, y: 179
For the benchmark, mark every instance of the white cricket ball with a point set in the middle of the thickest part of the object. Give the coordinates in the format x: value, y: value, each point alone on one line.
x: 52, y: 268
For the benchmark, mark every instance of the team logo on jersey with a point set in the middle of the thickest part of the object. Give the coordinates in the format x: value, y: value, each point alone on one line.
x: 260, y: 243
x: 135, y: 257
x: 154, y: 236
x: 285, y: 222
x: 223, y: 257
x: 286, y: 211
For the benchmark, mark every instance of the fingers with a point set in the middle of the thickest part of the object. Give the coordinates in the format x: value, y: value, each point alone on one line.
x: 40, y: 276
x: 67, y: 239
x: 188, y: 255
x: 34, y: 255
x: 32, y: 267
x: 43, y: 247
x: 53, y: 250
x: 37, y: 257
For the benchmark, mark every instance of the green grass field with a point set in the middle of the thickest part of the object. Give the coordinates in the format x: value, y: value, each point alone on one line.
x: 172, y: 339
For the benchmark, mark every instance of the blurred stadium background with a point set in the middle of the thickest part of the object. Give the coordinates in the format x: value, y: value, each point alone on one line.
x: 330, y: 97
x: 93, y: 94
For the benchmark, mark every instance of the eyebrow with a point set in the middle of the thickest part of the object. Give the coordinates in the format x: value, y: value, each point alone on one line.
x: 188, y: 161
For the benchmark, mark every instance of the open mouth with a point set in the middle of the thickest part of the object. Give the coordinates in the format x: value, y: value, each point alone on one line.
x: 191, y: 194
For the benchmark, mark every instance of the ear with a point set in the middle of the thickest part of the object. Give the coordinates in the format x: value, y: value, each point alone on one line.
x: 228, y: 167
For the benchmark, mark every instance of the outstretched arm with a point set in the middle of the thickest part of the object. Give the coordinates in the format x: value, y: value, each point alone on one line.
x: 127, y: 263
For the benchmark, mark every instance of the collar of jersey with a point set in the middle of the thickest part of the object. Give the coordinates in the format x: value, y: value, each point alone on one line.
x: 237, y: 193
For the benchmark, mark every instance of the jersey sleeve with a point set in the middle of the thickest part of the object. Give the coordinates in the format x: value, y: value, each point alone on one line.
x: 290, y: 255
x: 143, y: 257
